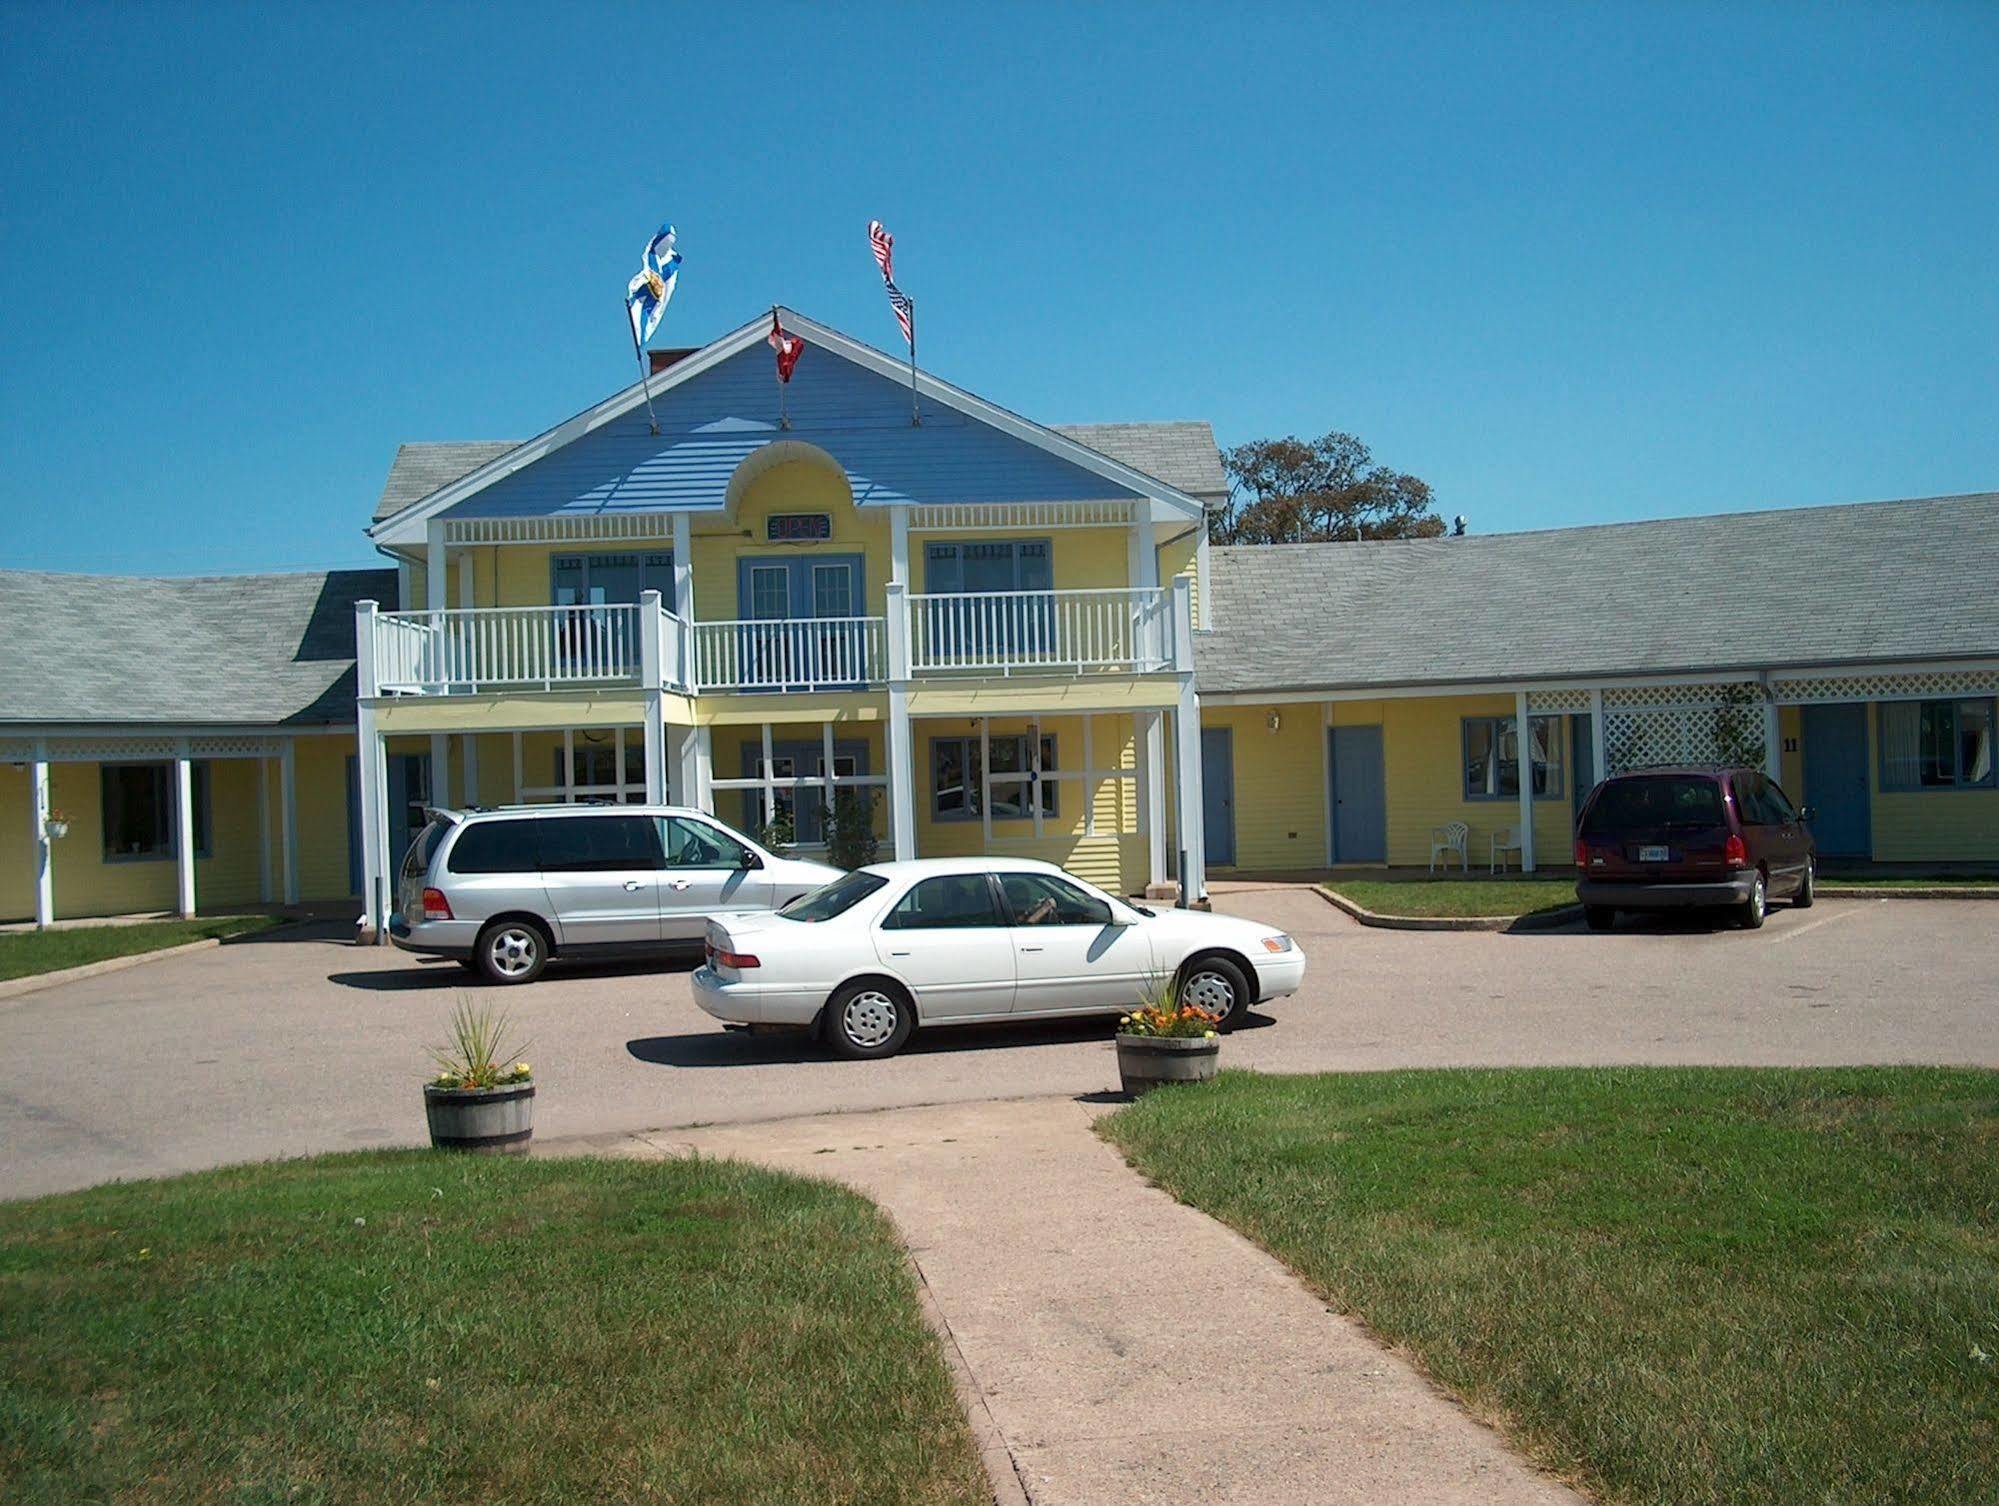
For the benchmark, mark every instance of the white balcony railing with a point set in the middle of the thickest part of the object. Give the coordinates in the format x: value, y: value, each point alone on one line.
x: 486, y: 648
x: 463, y: 651
x: 807, y: 653
x: 1018, y: 632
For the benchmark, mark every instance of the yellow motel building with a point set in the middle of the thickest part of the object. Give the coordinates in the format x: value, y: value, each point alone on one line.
x: 1011, y: 637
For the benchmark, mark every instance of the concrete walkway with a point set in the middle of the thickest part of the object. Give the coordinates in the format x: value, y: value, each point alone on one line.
x: 1119, y: 1347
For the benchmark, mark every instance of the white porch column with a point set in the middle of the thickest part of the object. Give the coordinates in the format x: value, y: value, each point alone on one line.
x: 901, y: 760
x: 1187, y: 788
x: 267, y: 882
x: 1149, y: 740
x: 651, y: 676
x: 1598, y: 741
x: 44, y: 849
x: 1523, y: 746
x: 371, y: 771
x: 898, y: 544
x: 703, y: 788
x: 184, y: 833
x: 683, y: 567
x: 436, y: 584
x: 901, y: 776
x: 288, y: 816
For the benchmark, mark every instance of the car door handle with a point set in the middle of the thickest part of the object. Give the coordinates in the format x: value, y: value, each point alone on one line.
x: 632, y: 886
x: 1033, y: 949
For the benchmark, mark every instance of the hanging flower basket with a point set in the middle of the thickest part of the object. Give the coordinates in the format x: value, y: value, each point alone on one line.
x: 56, y: 826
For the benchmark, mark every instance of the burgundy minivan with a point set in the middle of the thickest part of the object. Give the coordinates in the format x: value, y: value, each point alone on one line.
x: 1667, y: 839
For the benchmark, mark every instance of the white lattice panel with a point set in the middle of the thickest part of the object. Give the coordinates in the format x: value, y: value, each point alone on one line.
x: 1898, y: 686
x: 1676, y: 695
x: 1649, y: 736
x: 111, y: 749
x: 1549, y: 702
x: 232, y: 747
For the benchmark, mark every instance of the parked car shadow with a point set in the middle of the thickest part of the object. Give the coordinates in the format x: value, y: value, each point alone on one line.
x: 441, y: 972
x: 740, y: 1048
x: 1692, y: 922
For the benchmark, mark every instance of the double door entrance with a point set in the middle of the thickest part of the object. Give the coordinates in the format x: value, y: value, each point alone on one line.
x: 802, y: 630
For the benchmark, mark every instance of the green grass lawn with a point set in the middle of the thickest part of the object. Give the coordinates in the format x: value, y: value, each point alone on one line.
x: 1672, y: 1284
x: 1458, y: 897
x: 397, y: 1327
x: 25, y: 952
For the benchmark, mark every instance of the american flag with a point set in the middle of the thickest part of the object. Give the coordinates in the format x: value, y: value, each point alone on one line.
x: 883, y: 245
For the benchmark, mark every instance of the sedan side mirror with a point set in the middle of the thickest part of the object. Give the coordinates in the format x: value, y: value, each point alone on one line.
x: 748, y: 860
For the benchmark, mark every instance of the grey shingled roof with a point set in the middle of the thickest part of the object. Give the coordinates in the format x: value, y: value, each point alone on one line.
x: 1877, y: 581
x: 249, y: 650
x: 420, y: 469
x: 1183, y: 455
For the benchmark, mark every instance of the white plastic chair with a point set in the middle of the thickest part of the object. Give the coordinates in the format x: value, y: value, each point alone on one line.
x: 1452, y: 837
x: 1505, y: 840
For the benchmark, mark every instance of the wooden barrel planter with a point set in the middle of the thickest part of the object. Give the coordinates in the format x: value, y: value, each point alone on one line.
x: 489, y: 1121
x: 1148, y: 1061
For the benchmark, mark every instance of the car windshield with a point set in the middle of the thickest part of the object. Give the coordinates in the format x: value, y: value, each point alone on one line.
x: 1661, y: 800
x: 836, y: 898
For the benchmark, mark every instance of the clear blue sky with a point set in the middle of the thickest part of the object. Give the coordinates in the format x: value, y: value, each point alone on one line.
x: 1567, y: 263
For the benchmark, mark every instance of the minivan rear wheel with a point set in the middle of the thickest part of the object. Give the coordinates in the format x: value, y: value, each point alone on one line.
x: 512, y: 951
x: 1807, y: 886
x: 1750, y: 917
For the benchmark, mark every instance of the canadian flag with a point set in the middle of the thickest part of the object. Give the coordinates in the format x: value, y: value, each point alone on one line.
x: 788, y: 347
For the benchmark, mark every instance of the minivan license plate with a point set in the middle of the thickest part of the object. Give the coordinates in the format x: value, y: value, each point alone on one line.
x: 1655, y: 854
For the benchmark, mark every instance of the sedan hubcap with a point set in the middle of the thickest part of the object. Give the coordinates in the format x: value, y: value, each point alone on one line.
x: 1756, y: 898
x: 869, y: 1019
x: 1210, y: 992
x: 513, y: 951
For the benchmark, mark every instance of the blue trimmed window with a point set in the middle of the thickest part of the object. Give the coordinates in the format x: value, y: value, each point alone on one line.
x: 138, y: 811
x: 1492, y: 758
x: 1938, y: 745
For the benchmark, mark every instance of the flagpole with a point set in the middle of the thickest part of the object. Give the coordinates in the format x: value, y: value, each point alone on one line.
x: 915, y: 413
x: 645, y: 371
x: 777, y: 370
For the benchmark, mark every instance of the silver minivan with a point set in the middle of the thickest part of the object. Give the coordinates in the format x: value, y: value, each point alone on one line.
x: 502, y: 891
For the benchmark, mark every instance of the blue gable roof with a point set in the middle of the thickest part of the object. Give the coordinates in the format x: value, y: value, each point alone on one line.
x: 711, y: 421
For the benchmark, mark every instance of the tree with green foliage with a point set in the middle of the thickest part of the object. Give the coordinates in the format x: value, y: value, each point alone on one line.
x: 1295, y: 491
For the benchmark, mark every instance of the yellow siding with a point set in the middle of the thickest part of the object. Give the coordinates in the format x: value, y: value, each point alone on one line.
x: 1920, y: 826
x: 1790, y: 738
x: 1280, y: 783
x: 321, y: 774
x: 1114, y: 858
x: 87, y: 884
x: 1423, y: 748
x: 1180, y: 557
x: 17, y: 848
x: 799, y: 486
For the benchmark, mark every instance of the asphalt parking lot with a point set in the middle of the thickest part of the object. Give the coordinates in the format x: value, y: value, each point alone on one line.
x: 298, y: 1042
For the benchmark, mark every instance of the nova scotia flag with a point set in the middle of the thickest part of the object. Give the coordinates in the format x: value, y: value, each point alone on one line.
x: 649, y: 292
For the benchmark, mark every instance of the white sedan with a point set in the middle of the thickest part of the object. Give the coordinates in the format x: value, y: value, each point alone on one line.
x: 959, y: 941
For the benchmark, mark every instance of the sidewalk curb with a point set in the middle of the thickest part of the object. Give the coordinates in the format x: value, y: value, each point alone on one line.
x: 14, y: 988
x: 1540, y: 920
x: 1987, y: 892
